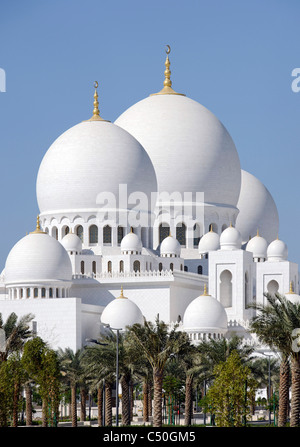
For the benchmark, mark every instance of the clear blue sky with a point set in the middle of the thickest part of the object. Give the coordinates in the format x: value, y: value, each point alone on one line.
x: 235, y: 57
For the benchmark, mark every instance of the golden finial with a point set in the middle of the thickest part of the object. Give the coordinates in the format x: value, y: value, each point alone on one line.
x: 257, y: 234
x: 167, y: 89
x: 205, y: 291
x: 96, y: 113
x: 291, y: 291
x: 211, y: 228
x: 38, y: 227
x: 230, y: 225
x: 121, y: 294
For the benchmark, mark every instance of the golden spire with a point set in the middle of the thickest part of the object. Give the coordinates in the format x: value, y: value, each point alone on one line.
x: 96, y: 114
x: 38, y: 227
x: 291, y: 291
x: 257, y: 234
x: 167, y: 89
x: 205, y: 291
x: 121, y: 294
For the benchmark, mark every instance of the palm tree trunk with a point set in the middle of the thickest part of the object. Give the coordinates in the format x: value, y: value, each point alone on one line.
x: 125, y: 400
x: 150, y: 398
x: 145, y: 401
x: 73, y: 406
x: 188, y: 400
x: 44, y: 412
x: 28, y: 408
x: 100, y: 405
x: 157, y: 383
x: 295, y: 404
x: 284, y: 387
x: 108, y: 404
x: 16, y: 404
x: 83, y: 395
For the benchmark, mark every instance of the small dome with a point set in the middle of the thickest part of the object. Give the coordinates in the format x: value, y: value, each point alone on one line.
x: 292, y: 296
x: 121, y: 312
x: 131, y: 243
x: 209, y: 242
x: 170, y: 246
x: 277, y: 251
x: 205, y: 314
x: 72, y: 242
x: 230, y: 239
x: 36, y: 258
x: 258, y: 246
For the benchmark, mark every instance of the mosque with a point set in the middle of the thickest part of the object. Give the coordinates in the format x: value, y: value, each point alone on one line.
x: 148, y: 216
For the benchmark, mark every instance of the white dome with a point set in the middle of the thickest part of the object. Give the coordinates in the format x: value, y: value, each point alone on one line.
x: 257, y: 210
x: 90, y: 158
x: 292, y: 296
x: 189, y: 147
x: 37, y: 258
x: 258, y: 246
x: 71, y: 242
x: 170, y: 246
x: 122, y: 312
x: 132, y: 243
x: 209, y: 242
x: 230, y: 239
x: 205, y: 314
x: 277, y: 251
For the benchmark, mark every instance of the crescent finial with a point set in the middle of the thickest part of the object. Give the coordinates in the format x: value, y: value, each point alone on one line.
x: 96, y: 84
x: 168, y: 49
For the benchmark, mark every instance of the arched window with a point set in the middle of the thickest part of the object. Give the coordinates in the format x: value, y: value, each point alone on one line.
x: 35, y: 292
x: 109, y: 266
x: 28, y: 293
x: 164, y: 231
x: 137, y: 266
x: 65, y: 230
x: 121, y: 266
x: 186, y: 268
x: 43, y: 292
x: 273, y: 287
x: 107, y: 234
x: 94, y: 267
x: 172, y: 266
x: 54, y: 233
x: 200, y: 269
x: 197, y: 235
x: 57, y: 293
x: 50, y: 292
x: 120, y: 234
x: 82, y: 267
x: 93, y: 234
x: 181, y: 234
x: 79, y: 232
x: 246, y: 290
x: 226, y: 288
x: 21, y: 293
x: 160, y: 266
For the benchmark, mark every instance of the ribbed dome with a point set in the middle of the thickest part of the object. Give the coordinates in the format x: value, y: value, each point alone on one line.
x: 71, y: 242
x: 205, y: 314
x: 170, y: 246
x: 257, y: 210
x: 36, y: 258
x: 209, y: 242
x: 277, y: 251
x: 91, y: 158
x: 131, y: 243
x: 258, y: 246
x: 122, y: 312
x: 177, y: 131
x: 230, y: 239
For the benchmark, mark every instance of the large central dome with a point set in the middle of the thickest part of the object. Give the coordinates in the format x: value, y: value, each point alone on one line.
x: 189, y: 147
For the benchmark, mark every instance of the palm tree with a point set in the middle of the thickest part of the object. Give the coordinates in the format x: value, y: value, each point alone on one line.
x: 72, y: 371
x: 16, y: 333
x: 274, y: 325
x: 158, y: 344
